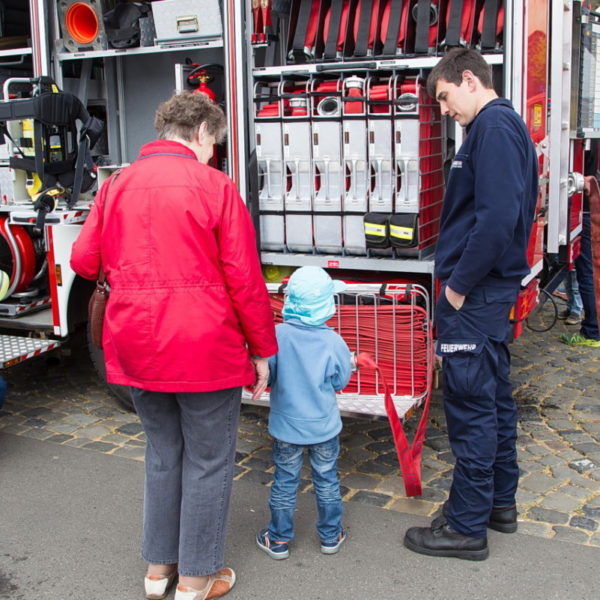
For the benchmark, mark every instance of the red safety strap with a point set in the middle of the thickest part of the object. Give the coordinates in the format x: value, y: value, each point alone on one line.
x: 460, y: 17
x: 389, y: 20
x: 426, y: 15
x: 409, y: 456
x: 305, y: 29
x: 340, y: 16
x: 313, y: 21
x: 365, y: 26
x: 490, y: 23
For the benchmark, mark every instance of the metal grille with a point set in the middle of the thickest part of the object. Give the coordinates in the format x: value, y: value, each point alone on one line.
x: 390, y: 322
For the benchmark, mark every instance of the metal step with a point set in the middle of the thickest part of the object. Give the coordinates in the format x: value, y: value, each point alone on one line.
x: 15, y: 349
x: 40, y: 320
x: 12, y: 308
x: 357, y: 405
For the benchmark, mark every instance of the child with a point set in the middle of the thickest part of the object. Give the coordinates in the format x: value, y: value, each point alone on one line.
x: 313, y: 363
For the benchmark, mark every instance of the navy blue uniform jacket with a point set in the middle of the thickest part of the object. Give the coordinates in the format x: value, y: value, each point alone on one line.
x: 489, y: 203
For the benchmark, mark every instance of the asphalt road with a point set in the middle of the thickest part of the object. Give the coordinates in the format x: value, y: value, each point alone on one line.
x: 70, y: 526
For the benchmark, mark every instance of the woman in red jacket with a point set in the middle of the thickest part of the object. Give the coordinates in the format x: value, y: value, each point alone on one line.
x: 188, y: 323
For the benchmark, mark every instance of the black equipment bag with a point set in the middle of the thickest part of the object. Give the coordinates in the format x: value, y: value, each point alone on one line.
x: 403, y: 230
x: 377, y: 230
x: 55, y: 117
x: 14, y: 18
x: 122, y: 24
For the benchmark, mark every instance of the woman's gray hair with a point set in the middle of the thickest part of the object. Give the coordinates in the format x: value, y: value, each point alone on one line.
x: 182, y: 114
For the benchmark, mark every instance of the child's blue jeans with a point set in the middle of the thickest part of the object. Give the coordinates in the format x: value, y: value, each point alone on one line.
x: 288, y: 459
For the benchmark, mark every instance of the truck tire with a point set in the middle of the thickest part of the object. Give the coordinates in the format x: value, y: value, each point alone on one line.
x: 120, y: 392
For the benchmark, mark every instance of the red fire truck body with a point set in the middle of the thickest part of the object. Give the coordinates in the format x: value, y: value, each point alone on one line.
x: 333, y: 142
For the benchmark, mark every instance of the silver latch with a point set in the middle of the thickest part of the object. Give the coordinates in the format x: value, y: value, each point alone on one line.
x: 187, y: 24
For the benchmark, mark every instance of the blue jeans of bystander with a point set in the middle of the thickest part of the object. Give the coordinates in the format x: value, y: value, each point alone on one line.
x: 190, y: 454
x: 585, y: 278
x: 288, y: 459
x: 574, y: 302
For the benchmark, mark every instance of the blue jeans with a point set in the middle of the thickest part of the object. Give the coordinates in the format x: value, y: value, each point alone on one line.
x: 585, y: 279
x: 288, y: 459
x: 574, y: 302
x: 190, y: 455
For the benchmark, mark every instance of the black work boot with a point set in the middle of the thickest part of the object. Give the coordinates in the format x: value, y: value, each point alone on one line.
x: 440, y: 539
x: 503, y: 518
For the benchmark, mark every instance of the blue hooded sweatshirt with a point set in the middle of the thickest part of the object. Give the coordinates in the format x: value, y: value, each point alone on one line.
x: 489, y: 205
x: 313, y: 362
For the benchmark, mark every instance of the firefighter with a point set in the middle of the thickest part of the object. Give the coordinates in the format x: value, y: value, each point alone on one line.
x: 481, y: 259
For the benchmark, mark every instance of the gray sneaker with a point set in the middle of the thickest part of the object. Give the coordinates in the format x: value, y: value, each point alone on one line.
x: 573, y: 319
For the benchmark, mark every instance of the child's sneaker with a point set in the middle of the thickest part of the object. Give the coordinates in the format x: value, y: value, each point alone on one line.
x: 333, y: 547
x: 276, y: 550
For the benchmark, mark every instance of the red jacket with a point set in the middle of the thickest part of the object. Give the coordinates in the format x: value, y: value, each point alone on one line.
x: 186, y: 290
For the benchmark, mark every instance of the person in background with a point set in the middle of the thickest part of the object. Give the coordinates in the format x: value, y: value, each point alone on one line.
x: 481, y: 259
x: 569, y: 292
x: 588, y: 334
x: 313, y: 362
x: 188, y: 323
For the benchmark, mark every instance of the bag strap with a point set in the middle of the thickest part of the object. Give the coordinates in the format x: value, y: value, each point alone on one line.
x: 101, y: 282
x: 409, y: 456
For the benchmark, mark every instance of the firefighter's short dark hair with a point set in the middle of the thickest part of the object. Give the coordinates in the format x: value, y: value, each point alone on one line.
x: 182, y: 114
x: 454, y: 63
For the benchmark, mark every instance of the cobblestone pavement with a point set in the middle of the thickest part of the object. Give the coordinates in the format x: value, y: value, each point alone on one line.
x: 557, y: 390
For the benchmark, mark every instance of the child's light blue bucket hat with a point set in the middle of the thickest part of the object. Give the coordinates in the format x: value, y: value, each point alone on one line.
x: 310, y: 296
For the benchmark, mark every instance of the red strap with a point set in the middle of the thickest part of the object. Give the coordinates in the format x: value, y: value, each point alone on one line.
x: 311, y: 32
x: 499, y: 22
x: 467, y: 18
x: 372, y: 25
x: 343, y: 25
x: 409, y: 457
x: 385, y: 22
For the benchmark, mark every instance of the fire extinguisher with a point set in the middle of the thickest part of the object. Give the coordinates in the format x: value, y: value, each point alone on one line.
x: 199, y: 77
x: 202, y: 77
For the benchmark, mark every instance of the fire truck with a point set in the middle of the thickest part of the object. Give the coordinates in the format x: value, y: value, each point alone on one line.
x: 333, y: 142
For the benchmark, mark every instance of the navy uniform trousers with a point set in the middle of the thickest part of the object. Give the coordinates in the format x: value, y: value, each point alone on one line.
x: 481, y: 413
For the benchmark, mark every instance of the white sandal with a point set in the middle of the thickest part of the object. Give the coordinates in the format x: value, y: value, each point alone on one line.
x: 158, y: 587
x: 218, y: 585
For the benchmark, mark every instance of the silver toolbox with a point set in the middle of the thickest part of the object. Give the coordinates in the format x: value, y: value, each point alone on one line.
x: 186, y: 20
